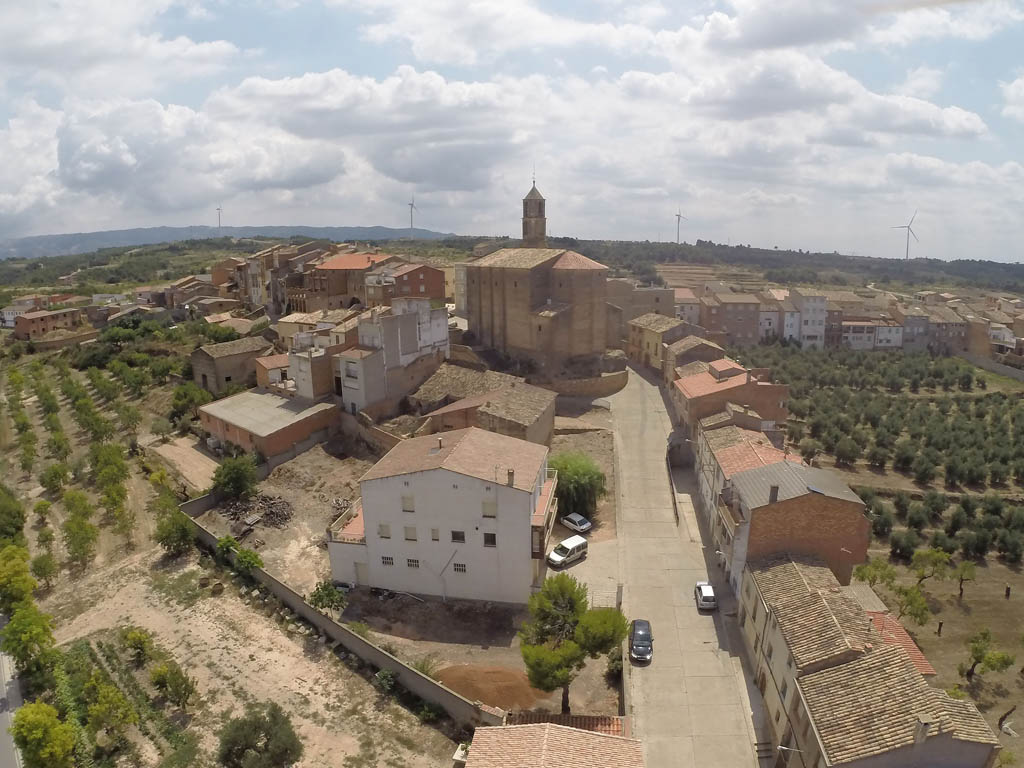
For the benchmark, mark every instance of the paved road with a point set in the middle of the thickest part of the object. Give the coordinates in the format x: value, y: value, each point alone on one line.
x: 11, y: 700
x: 691, y: 706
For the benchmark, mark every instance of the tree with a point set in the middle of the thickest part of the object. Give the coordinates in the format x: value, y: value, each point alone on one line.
x: 226, y: 545
x: 110, y: 712
x: 42, y: 510
x: 878, y: 456
x: 875, y: 571
x: 16, y: 583
x: 160, y: 676
x: 236, y: 478
x: 130, y: 418
x: 964, y: 572
x: 28, y: 637
x: 44, y: 567
x: 262, y: 738
x: 246, y: 560
x: 80, y: 540
x: 78, y: 504
x: 580, y: 483
x: 929, y: 564
x: 923, y: 469
x: 187, y: 400
x: 54, y: 478
x: 139, y: 644
x: 563, y: 631
x: 326, y: 596
x: 27, y: 457
x: 910, y: 601
x: 847, y: 451
x: 180, y: 687
x: 43, y: 739
x: 162, y: 428
x: 174, y: 532
x: 983, y: 656
x: 902, y: 503
x: 809, y: 448
x: 58, y: 446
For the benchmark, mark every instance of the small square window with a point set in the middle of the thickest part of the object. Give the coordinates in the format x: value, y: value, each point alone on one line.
x: 490, y: 539
x: 490, y: 509
x: 227, y: 379
x: 384, y: 531
x: 410, y: 533
x: 459, y: 567
x: 412, y: 563
x: 783, y: 691
x: 458, y: 537
x: 435, y: 534
x: 387, y: 560
x: 408, y: 504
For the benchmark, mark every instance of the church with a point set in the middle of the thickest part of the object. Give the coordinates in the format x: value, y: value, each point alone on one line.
x: 534, y: 302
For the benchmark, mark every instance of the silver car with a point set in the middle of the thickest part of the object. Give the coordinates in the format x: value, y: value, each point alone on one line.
x: 704, y: 596
x: 576, y: 522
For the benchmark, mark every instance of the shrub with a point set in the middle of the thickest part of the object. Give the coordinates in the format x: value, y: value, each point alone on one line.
x: 246, y: 560
x: 614, y: 668
x: 917, y: 517
x: 235, y: 478
x: 581, y: 483
x: 943, y: 541
x: 429, y: 713
x: 902, y: 544
x: 902, y: 503
x: 882, y: 523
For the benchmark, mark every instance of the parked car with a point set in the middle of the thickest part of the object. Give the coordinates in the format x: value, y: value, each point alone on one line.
x: 569, y: 551
x: 704, y: 596
x: 577, y: 522
x: 641, y: 640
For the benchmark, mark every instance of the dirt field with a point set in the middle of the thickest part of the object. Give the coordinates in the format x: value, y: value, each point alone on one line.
x: 239, y: 654
x: 600, y: 446
x: 309, y: 482
x: 984, y: 605
x: 186, y: 457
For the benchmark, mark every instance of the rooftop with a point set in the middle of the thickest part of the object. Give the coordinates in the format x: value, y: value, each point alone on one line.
x: 358, y: 351
x: 263, y: 413
x: 239, y: 324
x: 236, y: 347
x: 354, y: 260
x: 876, y: 703
x: 655, y: 322
x: 610, y: 725
x: 273, y: 361
x: 737, y: 298
x: 456, y: 382
x: 685, y: 295
x: 691, y: 342
x: 893, y: 633
x: 737, y: 450
x: 792, y: 480
x: 518, y: 403
x: 517, y: 258
x: 546, y: 745
x: 473, y: 452
x: 701, y: 384
x: 723, y: 365
x: 573, y: 260
x: 819, y: 621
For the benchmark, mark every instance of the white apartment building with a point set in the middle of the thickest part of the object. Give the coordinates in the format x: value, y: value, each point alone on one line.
x: 15, y: 311
x: 888, y: 335
x: 789, y: 317
x: 812, y: 311
x: 466, y: 514
x: 838, y: 692
x: 390, y: 341
x: 859, y: 334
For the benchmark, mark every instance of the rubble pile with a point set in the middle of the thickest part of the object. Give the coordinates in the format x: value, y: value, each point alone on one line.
x: 272, y: 511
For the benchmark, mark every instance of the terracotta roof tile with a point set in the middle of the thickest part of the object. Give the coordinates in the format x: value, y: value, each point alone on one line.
x: 273, y: 361
x: 702, y: 384
x: 516, y: 258
x: 236, y: 347
x: 685, y: 295
x: 610, y: 725
x: 573, y: 260
x: 655, y: 322
x: 354, y: 260
x: 893, y: 633
x: 545, y: 745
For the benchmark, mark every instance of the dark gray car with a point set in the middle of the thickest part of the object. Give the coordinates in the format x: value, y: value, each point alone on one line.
x: 641, y: 641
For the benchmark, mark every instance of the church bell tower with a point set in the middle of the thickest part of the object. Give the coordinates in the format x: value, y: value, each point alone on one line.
x: 534, y: 221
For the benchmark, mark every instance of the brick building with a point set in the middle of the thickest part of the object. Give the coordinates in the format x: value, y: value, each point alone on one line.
x: 732, y: 318
x: 215, y: 367
x: 516, y: 410
x: 627, y: 301
x: 266, y: 422
x: 647, y: 334
x: 687, y: 350
x: 833, y: 325
x: 338, y: 282
x: 33, y: 325
x: 543, y: 304
x: 725, y: 381
x: 916, y: 327
x: 411, y: 281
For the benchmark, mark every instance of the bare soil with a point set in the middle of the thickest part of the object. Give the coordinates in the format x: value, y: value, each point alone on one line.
x: 497, y: 686
x: 600, y: 446
x: 190, y: 463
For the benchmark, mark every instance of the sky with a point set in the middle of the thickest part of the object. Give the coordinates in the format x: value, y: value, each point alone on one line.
x: 813, y: 124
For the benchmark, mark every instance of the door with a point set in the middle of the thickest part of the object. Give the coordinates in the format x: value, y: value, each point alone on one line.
x: 361, y: 576
x: 204, y: 382
x: 337, y: 385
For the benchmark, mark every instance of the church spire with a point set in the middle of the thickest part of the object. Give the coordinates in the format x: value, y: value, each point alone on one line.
x: 534, y: 221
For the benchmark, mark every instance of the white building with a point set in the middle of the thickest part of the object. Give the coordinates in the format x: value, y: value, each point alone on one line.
x: 789, y: 316
x: 466, y: 514
x: 769, y: 321
x: 888, y: 335
x: 812, y: 311
x: 859, y: 334
x: 687, y: 306
x: 390, y: 341
x: 15, y: 311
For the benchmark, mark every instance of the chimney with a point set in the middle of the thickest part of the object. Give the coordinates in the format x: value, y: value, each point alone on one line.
x: 921, y: 729
x: 440, y: 443
x: 773, y: 494
x: 748, y: 377
x: 511, y: 477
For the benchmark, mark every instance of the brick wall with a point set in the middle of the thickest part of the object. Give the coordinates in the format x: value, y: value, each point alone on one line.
x: 597, y: 386
x: 812, y: 525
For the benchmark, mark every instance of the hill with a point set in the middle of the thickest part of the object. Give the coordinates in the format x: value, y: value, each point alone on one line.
x: 85, y: 242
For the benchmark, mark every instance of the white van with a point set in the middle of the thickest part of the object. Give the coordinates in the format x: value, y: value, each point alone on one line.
x: 569, y: 551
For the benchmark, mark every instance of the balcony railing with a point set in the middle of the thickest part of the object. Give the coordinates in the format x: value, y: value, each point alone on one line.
x: 348, y: 528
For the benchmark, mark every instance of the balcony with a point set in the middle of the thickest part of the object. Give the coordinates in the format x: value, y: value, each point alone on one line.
x: 730, y: 520
x: 349, y: 528
x: 543, y: 517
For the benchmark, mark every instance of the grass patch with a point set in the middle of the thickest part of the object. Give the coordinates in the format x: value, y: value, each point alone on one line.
x: 181, y: 588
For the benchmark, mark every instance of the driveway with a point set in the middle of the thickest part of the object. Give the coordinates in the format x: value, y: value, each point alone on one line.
x: 691, y: 706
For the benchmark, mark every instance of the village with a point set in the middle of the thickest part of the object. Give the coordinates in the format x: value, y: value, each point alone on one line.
x: 417, y: 436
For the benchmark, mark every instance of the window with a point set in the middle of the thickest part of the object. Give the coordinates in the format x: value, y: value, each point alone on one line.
x: 227, y: 379
x: 769, y: 652
x: 490, y: 508
x: 778, y: 714
x: 410, y: 533
x: 408, y: 504
x: 435, y: 534
x: 423, y: 289
x: 783, y: 691
x: 490, y: 539
x: 384, y: 531
x: 458, y: 537
x: 387, y: 560
x: 412, y: 563
x: 459, y: 567
x: 743, y: 616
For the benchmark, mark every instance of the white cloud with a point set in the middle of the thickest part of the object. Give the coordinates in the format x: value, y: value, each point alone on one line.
x: 922, y: 82
x: 1013, y: 95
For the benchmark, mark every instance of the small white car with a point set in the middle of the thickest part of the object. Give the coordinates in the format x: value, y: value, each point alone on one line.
x: 704, y: 596
x: 577, y: 522
x: 567, y: 552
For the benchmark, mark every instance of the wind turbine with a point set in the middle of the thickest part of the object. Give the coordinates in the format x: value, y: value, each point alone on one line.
x: 909, y: 232
x: 219, y: 209
x: 412, y: 207
x: 679, y: 219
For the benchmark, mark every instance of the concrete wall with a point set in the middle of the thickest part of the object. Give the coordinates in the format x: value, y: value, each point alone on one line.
x: 281, y: 442
x: 458, y: 708
x: 69, y: 341
x: 597, y: 386
x: 376, y: 438
x: 993, y: 367
x: 240, y: 369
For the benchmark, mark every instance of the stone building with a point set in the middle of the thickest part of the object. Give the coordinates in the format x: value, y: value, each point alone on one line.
x: 33, y: 325
x: 647, y: 335
x: 517, y: 410
x: 547, y: 305
x: 215, y: 367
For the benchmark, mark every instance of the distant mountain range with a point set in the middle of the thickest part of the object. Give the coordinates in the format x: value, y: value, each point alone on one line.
x: 85, y: 242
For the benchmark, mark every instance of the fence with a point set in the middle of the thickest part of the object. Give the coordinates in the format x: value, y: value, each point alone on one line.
x: 460, y: 709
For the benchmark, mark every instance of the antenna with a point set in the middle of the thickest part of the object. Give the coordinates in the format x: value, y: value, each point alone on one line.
x: 679, y: 218
x: 412, y: 207
x: 910, y: 232
x: 219, y: 209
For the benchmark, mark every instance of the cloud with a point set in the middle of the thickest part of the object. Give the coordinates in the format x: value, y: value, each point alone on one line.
x: 922, y: 82
x: 1013, y: 95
